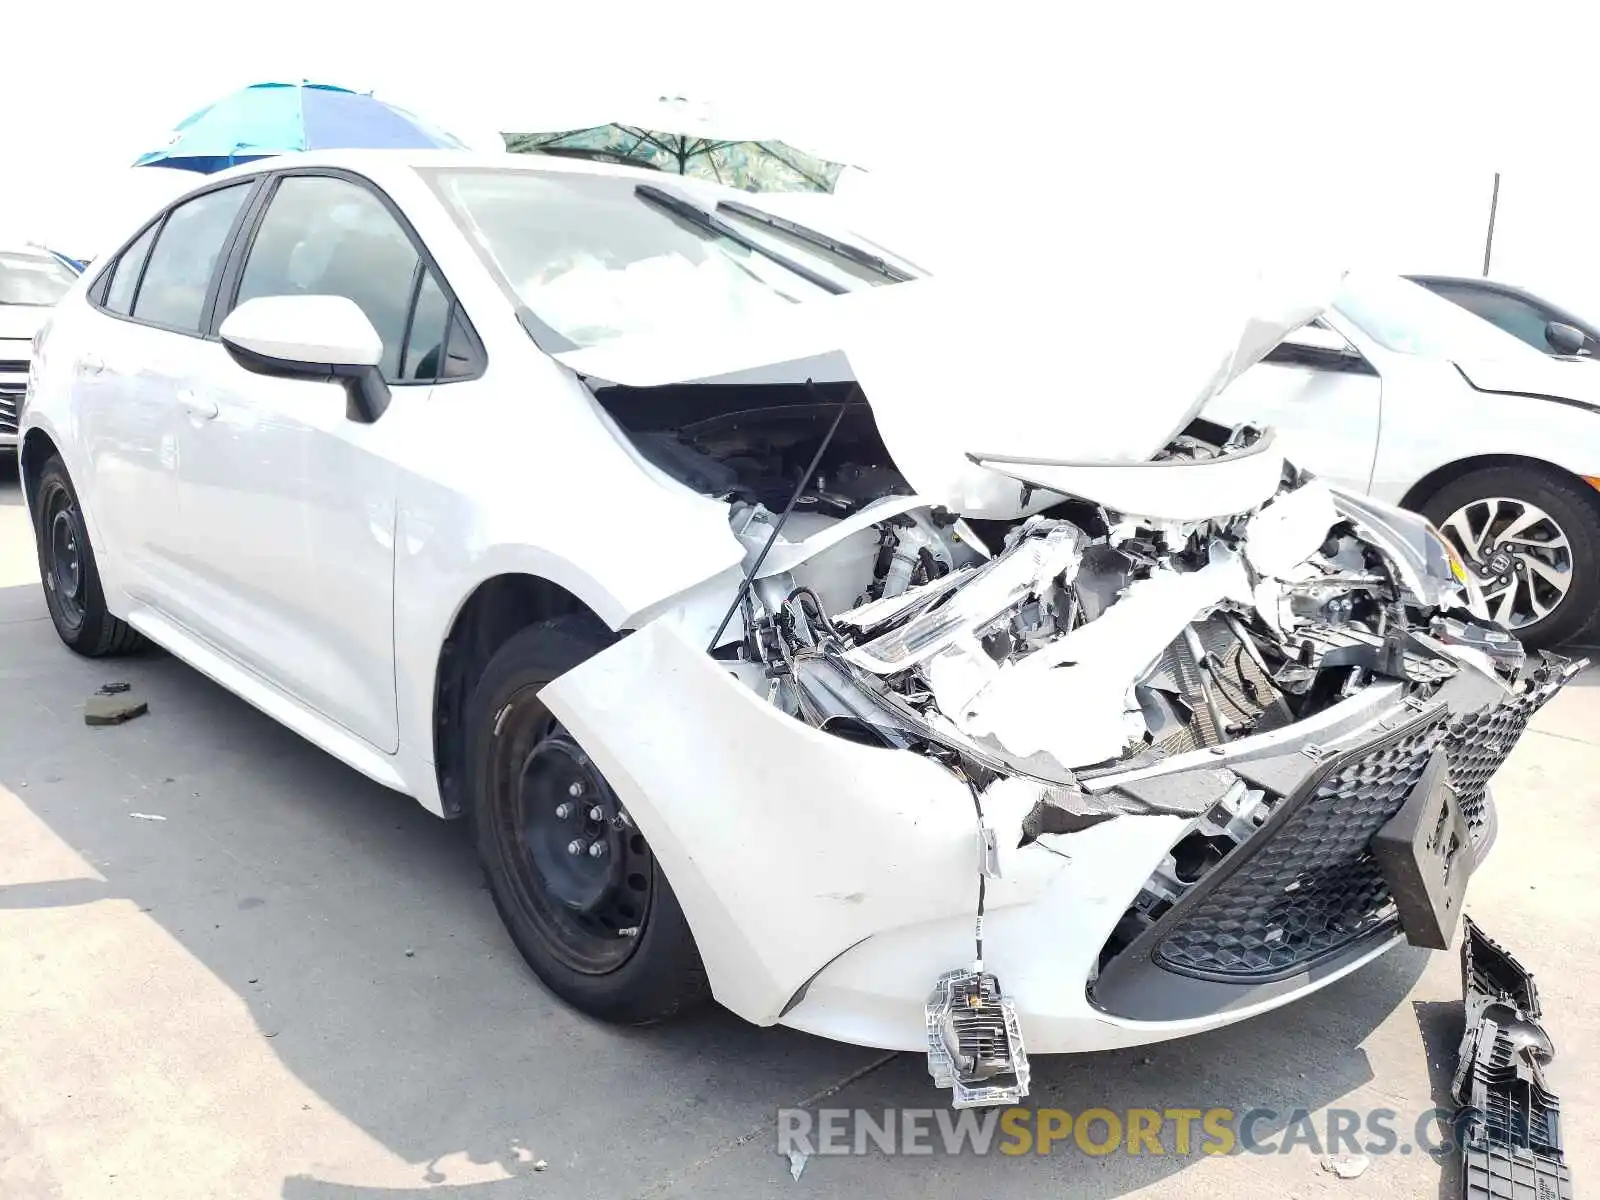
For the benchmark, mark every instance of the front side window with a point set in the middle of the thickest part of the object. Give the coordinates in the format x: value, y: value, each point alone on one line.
x: 33, y: 279
x: 1517, y: 317
x: 1407, y: 318
x: 324, y: 236
x: 591, y: 259
x: 177, y: 278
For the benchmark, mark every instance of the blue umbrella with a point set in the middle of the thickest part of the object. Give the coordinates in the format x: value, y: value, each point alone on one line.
x: 280, y: 118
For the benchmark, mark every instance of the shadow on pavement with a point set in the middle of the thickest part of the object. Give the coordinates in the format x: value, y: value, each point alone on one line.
x: 355, y: 927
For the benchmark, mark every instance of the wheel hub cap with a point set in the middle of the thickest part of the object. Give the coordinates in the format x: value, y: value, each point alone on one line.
x: 1521, y: 556
x: 569, y: 819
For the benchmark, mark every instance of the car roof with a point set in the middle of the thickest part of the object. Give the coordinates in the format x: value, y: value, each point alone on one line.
x: 378, y: 164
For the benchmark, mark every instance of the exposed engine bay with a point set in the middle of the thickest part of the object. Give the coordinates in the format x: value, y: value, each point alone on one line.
x: 1075, y: 639
x: 1110, y: 660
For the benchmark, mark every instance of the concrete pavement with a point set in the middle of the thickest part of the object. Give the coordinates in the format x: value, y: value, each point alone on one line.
x: 292, y: 984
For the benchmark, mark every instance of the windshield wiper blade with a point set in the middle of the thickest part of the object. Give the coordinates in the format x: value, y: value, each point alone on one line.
x: 701, y: 219
x: 845, y: 250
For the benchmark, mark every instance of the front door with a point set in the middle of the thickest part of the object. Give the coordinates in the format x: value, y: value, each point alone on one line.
x: 291, y: 503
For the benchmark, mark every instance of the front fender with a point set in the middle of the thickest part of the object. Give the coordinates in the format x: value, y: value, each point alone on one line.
x: 785, y: 845
x: 1431, y: 427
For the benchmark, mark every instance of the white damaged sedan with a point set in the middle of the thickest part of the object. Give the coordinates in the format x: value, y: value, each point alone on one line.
x: 792, y: 630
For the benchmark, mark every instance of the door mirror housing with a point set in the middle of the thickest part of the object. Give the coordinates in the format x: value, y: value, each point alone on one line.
x: 1563, y: 338
x: 326, y: 338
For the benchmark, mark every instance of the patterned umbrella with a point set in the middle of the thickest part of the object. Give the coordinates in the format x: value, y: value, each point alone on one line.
x: 679, y: 137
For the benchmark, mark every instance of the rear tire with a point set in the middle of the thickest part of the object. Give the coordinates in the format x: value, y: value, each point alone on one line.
x: 72, y: 590
x: 1548, y: 527
x: 532, y: 793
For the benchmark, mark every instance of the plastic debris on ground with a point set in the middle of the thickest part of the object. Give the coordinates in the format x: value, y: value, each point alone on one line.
x: 112, y: 708
x: 1510, y: 1121
x: 1346, y: 1166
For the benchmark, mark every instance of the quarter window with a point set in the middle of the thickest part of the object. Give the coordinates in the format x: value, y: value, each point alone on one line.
x: 324, y: 236
x: 177, y: 278
x: 438, y: 346
x: 125, y: 273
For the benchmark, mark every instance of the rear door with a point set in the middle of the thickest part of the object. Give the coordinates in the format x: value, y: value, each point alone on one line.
x: 134, y: 372
x: 1323, y: 397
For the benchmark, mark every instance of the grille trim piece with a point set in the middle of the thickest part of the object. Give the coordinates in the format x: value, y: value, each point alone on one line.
x: 11, y: 396
x: 1266, y: 912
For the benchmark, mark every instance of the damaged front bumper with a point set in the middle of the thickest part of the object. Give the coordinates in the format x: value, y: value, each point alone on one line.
x: 830, y: 884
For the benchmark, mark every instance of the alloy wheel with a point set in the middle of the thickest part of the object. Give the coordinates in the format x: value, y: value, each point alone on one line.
x: 1521, y: 556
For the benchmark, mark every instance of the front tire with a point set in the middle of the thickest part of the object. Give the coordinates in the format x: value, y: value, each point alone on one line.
x: 72, y: 590
x: 1532, y: 536
x: 574, y: 881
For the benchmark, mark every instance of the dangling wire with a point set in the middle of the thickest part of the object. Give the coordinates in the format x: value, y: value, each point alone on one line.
x: 983, y: 875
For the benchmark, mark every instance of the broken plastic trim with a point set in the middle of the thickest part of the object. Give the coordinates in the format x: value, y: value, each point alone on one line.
x: 1509, y: 1125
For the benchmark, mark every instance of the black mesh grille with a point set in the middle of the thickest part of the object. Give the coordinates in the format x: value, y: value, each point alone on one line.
x: 10, y: 405
x: 1477, y: 744
x: 1311, y: 887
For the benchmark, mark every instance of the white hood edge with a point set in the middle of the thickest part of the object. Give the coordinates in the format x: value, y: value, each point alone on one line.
x: 1108, y: 376
x: 19, y: 322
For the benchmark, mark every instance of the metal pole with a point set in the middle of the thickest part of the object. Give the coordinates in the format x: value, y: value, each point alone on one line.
x: 1488, y: 241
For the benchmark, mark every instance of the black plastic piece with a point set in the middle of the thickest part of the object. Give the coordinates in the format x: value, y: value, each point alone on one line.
x: 366, y: 394
x: 1425, y: 854
x: 1510, y: 1121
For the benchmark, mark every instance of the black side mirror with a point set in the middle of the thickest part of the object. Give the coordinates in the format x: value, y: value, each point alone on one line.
x: 1564, y: 339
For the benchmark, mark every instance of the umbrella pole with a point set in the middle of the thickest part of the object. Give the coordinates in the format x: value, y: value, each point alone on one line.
x: 1488, y: 241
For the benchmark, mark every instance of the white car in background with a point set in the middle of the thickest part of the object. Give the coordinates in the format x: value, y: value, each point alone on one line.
x: 1399, y: 393
x: 788, y: 635
x: 31, y: 281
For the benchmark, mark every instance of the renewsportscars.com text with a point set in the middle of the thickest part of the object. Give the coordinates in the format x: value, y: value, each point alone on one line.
x: 1103, y: 1131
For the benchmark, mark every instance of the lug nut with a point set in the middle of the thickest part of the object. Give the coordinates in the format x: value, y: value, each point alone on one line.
x: 597, y: 849
x: 563, y: 811
x: 575, y: 789
x: 575, y: 847
x: 597, y: 813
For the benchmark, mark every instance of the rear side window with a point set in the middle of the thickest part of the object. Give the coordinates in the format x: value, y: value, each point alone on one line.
x: 125, y: 273
x: 324, y: 236
x: 177, y: 278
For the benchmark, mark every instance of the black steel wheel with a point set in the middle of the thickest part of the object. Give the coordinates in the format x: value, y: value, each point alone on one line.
x: 72, y: 590
x: 573, y: 879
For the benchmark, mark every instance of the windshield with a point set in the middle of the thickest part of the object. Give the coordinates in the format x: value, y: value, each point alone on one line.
x: 33, y: 279
x: 590, y: 259
x: 1409, y: 319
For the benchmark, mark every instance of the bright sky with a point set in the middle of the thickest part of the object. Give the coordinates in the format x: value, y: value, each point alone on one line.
x: 1042, y: 132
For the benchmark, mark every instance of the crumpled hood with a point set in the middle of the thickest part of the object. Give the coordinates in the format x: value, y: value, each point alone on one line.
x: 1108, y: 375
x: 19, y: 322
x: 1536, y: 375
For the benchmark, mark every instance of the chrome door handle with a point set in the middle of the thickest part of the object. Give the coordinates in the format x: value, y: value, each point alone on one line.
x: 197, y: 406
x: 91, y: 364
